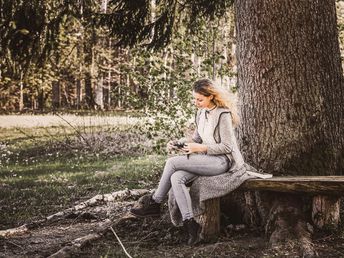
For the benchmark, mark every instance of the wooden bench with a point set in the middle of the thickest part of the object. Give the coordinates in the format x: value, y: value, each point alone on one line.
x: 325, y: 191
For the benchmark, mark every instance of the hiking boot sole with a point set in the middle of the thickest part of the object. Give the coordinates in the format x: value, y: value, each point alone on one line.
x: 145, y: 216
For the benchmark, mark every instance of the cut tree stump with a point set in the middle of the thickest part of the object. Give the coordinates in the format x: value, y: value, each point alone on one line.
x: 326, y: 202
x: 326, y: 211
x: 210, y: 220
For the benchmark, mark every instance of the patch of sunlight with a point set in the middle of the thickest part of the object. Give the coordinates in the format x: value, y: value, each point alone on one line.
x: 29, y: 121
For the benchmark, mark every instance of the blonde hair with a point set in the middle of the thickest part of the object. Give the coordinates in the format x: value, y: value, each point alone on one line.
x: 221, y: 97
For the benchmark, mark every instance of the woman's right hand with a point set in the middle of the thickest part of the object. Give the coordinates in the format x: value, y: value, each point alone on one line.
x: 171, y: 146
x: 176, y: 145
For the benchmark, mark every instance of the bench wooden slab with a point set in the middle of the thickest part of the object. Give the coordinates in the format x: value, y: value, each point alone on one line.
x: 329, y: 185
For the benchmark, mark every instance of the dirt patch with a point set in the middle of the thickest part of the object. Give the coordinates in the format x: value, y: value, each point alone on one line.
x: 148, y: 238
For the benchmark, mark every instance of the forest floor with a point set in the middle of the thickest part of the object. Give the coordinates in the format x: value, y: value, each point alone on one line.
x: 147, y: 238
x: 44, y: 171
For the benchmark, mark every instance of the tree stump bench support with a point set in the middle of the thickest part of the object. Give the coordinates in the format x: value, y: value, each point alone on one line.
x: 326, y: 192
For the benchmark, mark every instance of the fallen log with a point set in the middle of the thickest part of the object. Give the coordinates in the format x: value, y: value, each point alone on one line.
x: 74, y: 246
x: 94, y: 201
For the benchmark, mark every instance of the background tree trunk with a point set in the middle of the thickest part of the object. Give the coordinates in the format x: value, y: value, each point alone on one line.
x: 88, y: 91
x: 78, y: 93
x: 290, y: 86
x: 56, y: 99
x: 99, y: 93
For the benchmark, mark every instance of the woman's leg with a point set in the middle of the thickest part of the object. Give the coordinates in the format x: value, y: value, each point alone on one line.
x: 181, y: 193
x: 199, y: 165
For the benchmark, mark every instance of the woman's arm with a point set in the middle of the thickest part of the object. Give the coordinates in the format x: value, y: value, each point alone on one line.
x: 196, y: 137
x: 227, y: 136
x: 226, y: 132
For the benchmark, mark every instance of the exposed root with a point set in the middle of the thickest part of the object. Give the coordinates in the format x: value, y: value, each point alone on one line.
x: 285, y: 223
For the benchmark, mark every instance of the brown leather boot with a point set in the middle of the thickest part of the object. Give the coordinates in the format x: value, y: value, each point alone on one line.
x: 146, y: 207
x: 193, y: 229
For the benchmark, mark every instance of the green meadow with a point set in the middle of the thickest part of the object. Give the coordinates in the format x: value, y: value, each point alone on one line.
x: 47, y: 169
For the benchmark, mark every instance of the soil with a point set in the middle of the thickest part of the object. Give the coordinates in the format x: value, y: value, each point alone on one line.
x: 150, y: 237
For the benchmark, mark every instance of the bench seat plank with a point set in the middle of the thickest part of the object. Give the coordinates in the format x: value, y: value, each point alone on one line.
x: 333, y: 185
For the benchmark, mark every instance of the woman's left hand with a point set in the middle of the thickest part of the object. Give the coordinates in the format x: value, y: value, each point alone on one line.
x: 194, y: 147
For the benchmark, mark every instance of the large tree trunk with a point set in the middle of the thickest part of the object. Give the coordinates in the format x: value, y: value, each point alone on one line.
x: 290, y: 89
x: 290, y: 86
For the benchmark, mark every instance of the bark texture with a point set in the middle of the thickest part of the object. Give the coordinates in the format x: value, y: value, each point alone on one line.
x: 210, y: 220
x: 290, y: 86
x: 326, y: 211
x: 56, y: 94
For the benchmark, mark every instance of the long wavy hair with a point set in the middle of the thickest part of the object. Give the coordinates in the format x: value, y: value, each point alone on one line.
x: 221, y: 97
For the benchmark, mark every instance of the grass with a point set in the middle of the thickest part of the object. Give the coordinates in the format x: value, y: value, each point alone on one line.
x: 39, y: 176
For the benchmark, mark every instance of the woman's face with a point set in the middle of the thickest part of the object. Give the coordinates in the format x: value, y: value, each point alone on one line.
x: 202, y: 101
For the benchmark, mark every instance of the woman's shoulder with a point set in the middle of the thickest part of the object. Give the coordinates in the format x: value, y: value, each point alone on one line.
x: 223, y: 114
x: 222, y: 110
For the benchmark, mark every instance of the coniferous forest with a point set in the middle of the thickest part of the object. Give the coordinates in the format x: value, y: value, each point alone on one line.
x: 61, y: 55
x: 93, y: 91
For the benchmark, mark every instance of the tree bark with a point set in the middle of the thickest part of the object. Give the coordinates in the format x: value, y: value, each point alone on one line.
x: 78, y: 93
x: 40, y: 99
x: 290, y: 87
x: 210, y: 220
x: 99, y: 93
x: 56, y: 94
x: 21, y: 98
x: 88, y: 91
x: 326, y: 211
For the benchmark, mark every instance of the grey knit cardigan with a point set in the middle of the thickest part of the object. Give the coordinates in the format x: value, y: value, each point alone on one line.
x: 209, y: 187
x: 224, y: 137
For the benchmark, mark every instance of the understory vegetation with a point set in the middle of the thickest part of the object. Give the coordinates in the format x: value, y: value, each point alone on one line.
x: 43, y: 170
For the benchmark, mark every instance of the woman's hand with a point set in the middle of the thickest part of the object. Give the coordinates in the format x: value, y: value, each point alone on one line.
x: 174, y: 145
x: 194, y: 147
x: 169, y: 145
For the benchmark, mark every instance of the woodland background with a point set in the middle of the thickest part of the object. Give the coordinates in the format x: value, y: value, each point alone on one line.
x: 108, y: 110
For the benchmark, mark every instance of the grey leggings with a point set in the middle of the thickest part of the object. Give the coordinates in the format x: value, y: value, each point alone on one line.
x: 180, y: 170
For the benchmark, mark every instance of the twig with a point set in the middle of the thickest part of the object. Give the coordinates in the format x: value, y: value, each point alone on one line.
x: 74, y: 220
x: 15, y: 244
x: 145, y: 237
x: 119, y: 240
x: 76, y: 130
x: 26, y: 134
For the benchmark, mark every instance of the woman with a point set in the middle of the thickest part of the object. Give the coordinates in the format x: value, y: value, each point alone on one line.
x: 214, y: 151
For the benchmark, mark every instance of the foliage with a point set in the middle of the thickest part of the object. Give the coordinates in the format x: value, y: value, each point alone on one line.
x: 29, y: 29
x: 154, y: 22
x: 168, y: 76
x: 77, y: 51
x: 33, y: 44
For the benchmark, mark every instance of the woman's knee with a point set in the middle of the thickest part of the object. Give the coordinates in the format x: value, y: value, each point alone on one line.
x: 173, y: 161
x: 178, y: 178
